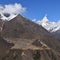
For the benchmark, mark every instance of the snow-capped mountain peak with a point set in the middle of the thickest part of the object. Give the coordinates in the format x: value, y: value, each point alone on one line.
x: 50, y: 26
x: 44, y: 21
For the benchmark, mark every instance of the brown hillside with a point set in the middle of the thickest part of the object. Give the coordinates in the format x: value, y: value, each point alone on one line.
x: 30, y: 40
x: 23, y: 28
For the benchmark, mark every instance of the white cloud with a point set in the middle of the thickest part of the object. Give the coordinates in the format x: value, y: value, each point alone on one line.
x: 12, y: 8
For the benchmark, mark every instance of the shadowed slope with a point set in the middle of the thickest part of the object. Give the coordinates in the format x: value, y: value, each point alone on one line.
x: 4, y: 47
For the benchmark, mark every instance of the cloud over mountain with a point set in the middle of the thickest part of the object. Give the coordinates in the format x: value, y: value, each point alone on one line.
x: 12, y: 8
x: 8, y: 12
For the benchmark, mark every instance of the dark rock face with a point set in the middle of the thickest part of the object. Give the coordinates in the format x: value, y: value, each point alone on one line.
x: 56, y: 34
x: 37, y: 43
x: 4, y: 47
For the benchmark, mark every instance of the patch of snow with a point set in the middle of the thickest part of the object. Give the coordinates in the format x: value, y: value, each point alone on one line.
x: 50, y: 26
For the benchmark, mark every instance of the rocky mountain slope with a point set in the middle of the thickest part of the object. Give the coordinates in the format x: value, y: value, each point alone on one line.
x: 4, y: 47
x: 30, y: 41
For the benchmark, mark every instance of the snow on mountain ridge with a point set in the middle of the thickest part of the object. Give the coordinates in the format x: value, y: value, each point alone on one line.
x: 44, y: 21
x: 9, y: 11
x: 7, y: 18
x: 3, y: 17
x: 50, y: 26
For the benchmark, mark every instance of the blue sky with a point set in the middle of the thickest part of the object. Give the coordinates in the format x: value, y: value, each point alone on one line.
x: 36, y: 9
